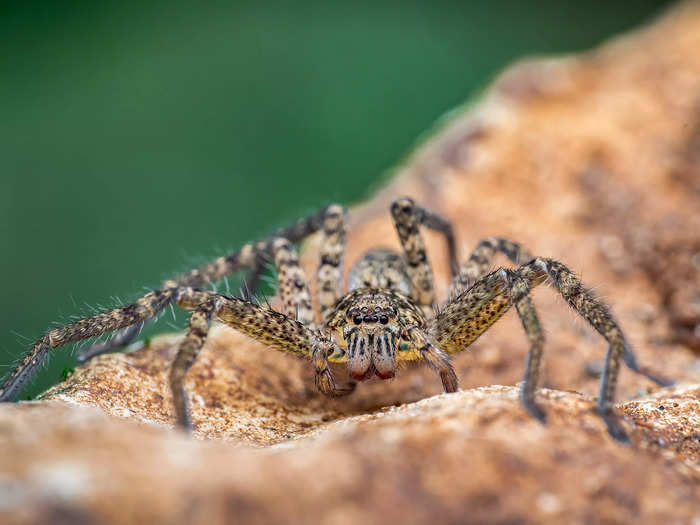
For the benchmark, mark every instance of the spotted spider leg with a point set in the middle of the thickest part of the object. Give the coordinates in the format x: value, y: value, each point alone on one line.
x: 251, y: 256
x: 478, y: 265
x: 330, y: 270
x: 149, y: 305
x: 440, y: 224
x: 434, y: 358
x: 143, y: 309
x: 322, y: 347
x: 122, y: 338
x: 137, y: 313
x: 296, y: 305
x: 186, y: 354
x: 274, y: 329
x: 481, y: 259
x: 407, y: 217
x: 271, y: 328
x: 466, y: 317
x: 292, y: 287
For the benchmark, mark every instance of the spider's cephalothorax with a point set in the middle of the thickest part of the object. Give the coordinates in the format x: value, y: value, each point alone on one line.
x: 370, y: 324
x: 385, y: 317
x: 372, y: 335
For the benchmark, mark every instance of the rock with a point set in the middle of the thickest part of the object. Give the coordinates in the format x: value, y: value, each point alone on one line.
x: 473, y: 455
x: 592, y: 160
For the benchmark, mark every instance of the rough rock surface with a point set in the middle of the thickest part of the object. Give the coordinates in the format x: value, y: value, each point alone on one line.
x: 593, y: 160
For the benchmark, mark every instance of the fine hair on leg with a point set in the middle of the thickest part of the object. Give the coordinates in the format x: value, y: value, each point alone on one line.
x: 481, y: 259
x: 186, y: 354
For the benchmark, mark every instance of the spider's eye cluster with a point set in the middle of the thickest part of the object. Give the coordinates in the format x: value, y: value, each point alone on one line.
x: 364, y: 315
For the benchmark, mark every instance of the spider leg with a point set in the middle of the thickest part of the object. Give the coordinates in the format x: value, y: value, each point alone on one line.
x: 323, y: 376
x: 251, y: 283
x: 434, y: 358
x: 598, y: 315
x: 440, y: 224
x: 473, y: 311
x: 519, y: 292
x: 139, y: 312
x: 291, y: 282
x: 252, y: 255
x: 285, y: 334
x: 463, y: 319
x: 407, y: 217
x: 120, y: 340
x: 295, y: 233
x: 186, y: 354
x: 330, y: 269
x: 478, y: 264
x: 249, y: 256
x: 480, y: 260
x: 274, y: 329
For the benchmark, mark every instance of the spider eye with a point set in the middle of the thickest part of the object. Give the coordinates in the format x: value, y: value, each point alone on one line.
x: 384, y: 319
x: 357, y: 319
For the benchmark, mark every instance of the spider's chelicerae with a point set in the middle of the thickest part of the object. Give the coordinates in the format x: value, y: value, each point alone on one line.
x: 385, y: 317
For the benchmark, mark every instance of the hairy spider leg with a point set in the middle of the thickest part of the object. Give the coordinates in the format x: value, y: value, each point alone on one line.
x: 323, y: 346
x: 479, y: 262
x: 273, y: 329
x: 121, y: 339
x: 294, y: 294
x: 441, y: 225
x: 148, y: 306
x: 407, y: 216
x: 329, y: 275
x: 466, y: 317
x: 294, y: 233
x: 519, y: 287
x: 143, y: 309
x: 292, y: 287
x: 434, y: 357
x: 186, y: 354
x: 478, y: 265
x: 250, y: 256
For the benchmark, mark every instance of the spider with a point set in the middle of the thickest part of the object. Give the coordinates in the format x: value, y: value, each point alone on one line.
x: 386, y: 316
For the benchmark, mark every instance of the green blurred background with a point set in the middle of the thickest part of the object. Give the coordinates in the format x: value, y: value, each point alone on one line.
x: 140, y: 138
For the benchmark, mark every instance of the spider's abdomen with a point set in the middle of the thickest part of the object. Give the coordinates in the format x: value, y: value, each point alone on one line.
x: 380, y: 268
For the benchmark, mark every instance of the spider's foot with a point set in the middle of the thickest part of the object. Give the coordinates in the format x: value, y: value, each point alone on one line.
x: 615, y: 427
x: 327, y: 385
x: 533, y: 409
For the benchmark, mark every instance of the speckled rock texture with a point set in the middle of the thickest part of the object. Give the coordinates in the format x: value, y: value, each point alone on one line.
x: 593, y: 160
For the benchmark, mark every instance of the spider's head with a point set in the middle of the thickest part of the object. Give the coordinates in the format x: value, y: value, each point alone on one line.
x: 372, y: 335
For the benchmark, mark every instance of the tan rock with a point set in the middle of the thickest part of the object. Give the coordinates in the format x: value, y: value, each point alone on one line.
x: 592, y: 160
